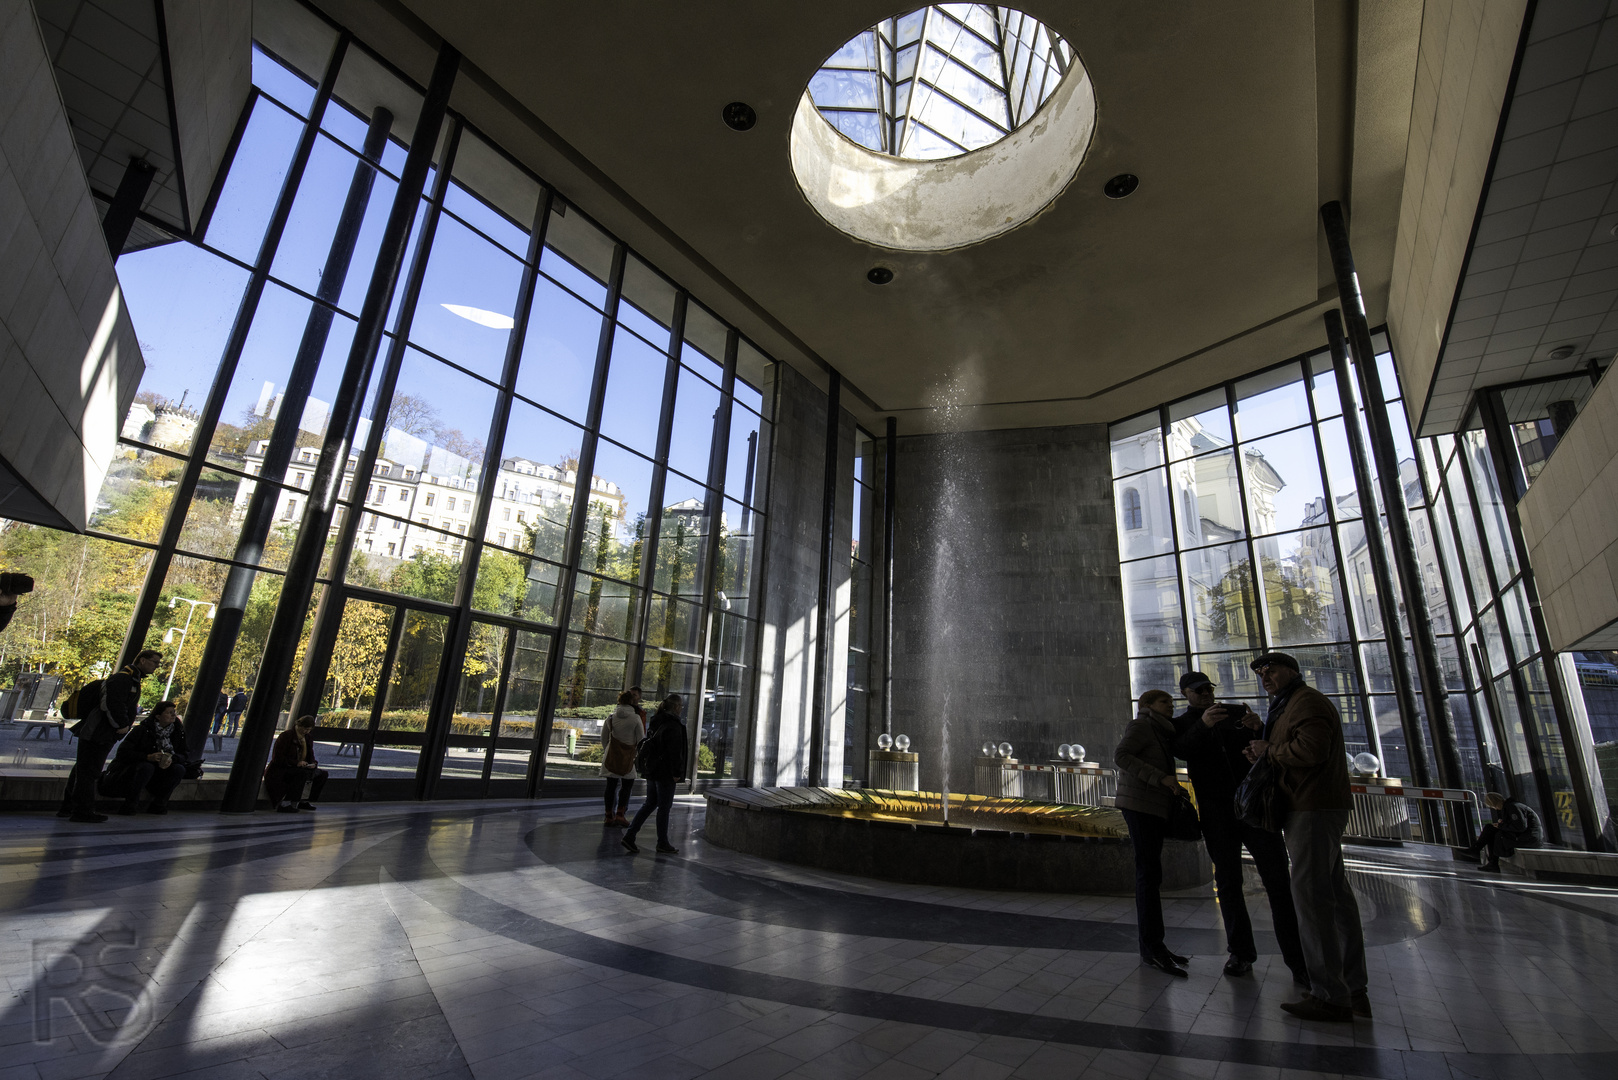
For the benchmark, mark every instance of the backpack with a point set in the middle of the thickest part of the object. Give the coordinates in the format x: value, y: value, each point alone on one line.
x: 81, y: 702
x: 649, y: 754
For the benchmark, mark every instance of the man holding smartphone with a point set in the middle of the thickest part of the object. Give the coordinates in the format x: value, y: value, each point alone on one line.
x: 1211, y: 737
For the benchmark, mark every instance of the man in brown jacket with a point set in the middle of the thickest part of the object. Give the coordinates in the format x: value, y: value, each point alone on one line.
x: 1303, y: 737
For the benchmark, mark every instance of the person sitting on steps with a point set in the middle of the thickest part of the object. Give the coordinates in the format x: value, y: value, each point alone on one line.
x: 1515, y: 826
x: 292, y: 763
x: 152, y: 757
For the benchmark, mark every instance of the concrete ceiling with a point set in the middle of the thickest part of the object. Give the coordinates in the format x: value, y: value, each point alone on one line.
x: 1240, y: 118
x: 1542, y: 273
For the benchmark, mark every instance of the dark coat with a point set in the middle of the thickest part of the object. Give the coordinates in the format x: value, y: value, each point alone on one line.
x: 145, y: 739
x: 1306, y: 742
x: 286, y: 751
x: 1143, y: 760
x: 668, y: 763
x: 238, y: 703
x: 1213, y: 758
x: 1517, y: 822
x: 121, y: 697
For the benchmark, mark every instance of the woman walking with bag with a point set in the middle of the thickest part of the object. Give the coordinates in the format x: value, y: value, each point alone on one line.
x: 1148, y: 794
x: 662, y: 763
x: 619, y: 737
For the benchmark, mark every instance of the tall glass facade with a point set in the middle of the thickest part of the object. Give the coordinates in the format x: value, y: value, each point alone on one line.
x: 1240, y: 529
x: 531, y: 365
x: 859, y: 709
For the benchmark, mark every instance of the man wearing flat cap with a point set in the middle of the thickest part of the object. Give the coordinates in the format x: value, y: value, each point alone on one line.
x: 1303, y: 737
x: 1211, y: 737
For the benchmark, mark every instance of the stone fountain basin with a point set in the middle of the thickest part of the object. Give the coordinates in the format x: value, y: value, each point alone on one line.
x: 989, y: 843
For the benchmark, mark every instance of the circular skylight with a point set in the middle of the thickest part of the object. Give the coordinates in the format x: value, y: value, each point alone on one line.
x: 942, y: 128
x: 941, y: 81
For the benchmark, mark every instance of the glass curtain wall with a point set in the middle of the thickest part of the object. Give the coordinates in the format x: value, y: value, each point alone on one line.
x: 531, y: 362
x: 1240, y: 529
x: 1497, y: 642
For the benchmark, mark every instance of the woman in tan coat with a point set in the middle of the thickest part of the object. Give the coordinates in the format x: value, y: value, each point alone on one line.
x: 1146, y: 794
x: 620, y: 736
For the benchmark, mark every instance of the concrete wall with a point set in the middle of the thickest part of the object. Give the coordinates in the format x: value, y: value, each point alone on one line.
x: 1467, y: 47
x: 791, y: 591
x: 1570, y: 523
x: 69, y: 359
x: 210, y: 45
x: 1034, y: 591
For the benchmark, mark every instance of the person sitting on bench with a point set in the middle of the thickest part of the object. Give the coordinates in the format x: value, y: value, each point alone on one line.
x: 1515, y: 826
x: 152, y: 757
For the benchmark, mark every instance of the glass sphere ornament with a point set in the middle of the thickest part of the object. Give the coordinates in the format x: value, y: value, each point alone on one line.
x: 1078, y: 752
x: 986, y: 750
x: 1064, y: 752
x: 901, y: 743
x: 884, y: 741
x: 1005, y: 749
x: 1366, y: 764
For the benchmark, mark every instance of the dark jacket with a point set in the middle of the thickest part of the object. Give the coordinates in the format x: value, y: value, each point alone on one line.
x: 286, y: 752
x: 1143, y: 760
x: 121, y: 697
x: 146, y: 739
x: 238, y: 703
x: 667, y: 735
x: 1306, y: 742
x: 1213, y: 757
x: 6, y: 614
x: 1518, y: 823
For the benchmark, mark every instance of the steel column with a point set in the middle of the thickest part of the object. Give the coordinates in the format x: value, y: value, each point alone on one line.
x: 1440, y: 720
x: 263, y: 710
x: 259, y: 516
x: 329, y: 613
x: 890, y: 493
x: 125, y: 205
x: 718, y: 463
x: 823, y: 618
x: 157, y: 573
x: 1402, y: 684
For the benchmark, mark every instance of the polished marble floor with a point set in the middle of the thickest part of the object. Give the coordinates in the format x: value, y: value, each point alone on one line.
x: 495, y: 940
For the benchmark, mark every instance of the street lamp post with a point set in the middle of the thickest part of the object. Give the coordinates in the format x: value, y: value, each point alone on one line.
x: 169, y: 637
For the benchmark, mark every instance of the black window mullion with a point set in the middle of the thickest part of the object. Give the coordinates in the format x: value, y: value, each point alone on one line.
x: 718, y: 456
x: 579, y: 516
x: 660, y: 471
x: 1165, y: 429
x: 1261, y: 612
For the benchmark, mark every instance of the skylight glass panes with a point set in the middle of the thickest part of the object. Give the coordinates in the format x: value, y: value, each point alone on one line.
x: 940, y: 81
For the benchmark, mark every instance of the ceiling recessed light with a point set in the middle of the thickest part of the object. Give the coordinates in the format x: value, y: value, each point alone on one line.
x: 1561, y: 352
x: 739, y: 115
x: 492, y: 319
x: 1121, y: 186
x: 879, y: 275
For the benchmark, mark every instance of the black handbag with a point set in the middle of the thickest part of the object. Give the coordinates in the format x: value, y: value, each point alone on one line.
x: 1182, y: 822
x: 1260, y: 802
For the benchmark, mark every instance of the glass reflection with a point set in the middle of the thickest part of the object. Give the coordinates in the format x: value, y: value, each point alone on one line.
x: 1219, y: 582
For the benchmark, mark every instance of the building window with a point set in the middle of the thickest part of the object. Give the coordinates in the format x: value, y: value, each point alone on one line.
x: 299, y: 480
x: 429, y: 498
x: 390, y: 549
x: 451, y: 504
x: 1131, y: 508
x: 404, y: 494
x: 506, y: 514
x: 502, y: 540
x: 292, y: 508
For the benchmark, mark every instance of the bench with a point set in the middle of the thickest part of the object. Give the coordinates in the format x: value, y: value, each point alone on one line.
x: 42, y: 724
x: 1558, y: 864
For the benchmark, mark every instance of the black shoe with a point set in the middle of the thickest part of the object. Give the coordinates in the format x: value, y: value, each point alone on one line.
x: 1178, y: 959
x: 89, y: 817
x: 667, y: 849
x: 1237, y: 966
x: 158, y: 808
x: 1166, y: 964
x: 629, y: 845
x: 306, y: 805
x: 1361, y: 1004
x: 1311, y: 1008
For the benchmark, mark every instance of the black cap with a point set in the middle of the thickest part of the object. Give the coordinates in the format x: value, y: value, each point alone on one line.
x: 1276, y: 658
x: 1193, y: 679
